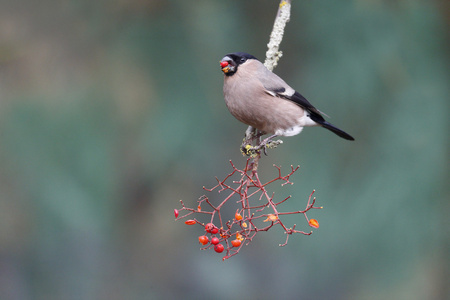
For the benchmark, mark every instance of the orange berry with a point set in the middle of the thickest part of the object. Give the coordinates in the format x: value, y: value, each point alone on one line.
x: 237, y: 216
x: 190, y: 222
x: 271, y: 217
x: 314, y: 223
x: 236, y: 243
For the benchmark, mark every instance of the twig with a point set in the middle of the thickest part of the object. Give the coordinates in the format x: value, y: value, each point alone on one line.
x: 257, y: 209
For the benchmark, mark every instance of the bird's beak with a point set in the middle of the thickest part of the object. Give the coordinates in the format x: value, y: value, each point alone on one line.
x: 226, y: 65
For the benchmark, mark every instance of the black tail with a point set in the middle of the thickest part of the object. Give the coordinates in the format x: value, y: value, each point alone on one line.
x: 319, y: 119
x: 337, y: 131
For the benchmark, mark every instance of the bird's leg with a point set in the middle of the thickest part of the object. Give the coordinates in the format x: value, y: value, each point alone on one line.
x: 264, y: 149
x: 268, y: 143
x: 259, y: 135
x: 265, y: 141
x: 247, y: 144
x: 250, y: 134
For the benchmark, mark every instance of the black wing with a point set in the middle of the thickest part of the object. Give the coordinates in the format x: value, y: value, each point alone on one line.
x: 301, y: 101
x: 314, y: 113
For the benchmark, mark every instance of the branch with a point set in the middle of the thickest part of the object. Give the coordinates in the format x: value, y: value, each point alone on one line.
x: 273, y: 54
x: 257, y: 210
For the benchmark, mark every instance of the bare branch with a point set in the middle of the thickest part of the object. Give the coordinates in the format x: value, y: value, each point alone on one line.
x: 257, y: 210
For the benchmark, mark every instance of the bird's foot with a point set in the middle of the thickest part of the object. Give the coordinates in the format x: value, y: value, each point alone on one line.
x: 269, y: 144
x: 248, y: 149
x: 273, y: 144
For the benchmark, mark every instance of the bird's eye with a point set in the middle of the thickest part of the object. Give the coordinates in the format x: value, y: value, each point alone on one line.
x: 243, y: 59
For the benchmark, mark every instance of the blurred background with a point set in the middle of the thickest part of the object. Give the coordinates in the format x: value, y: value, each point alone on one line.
x: 112, y: 111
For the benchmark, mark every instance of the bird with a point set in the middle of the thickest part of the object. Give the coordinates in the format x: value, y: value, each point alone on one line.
x: 261, y: 99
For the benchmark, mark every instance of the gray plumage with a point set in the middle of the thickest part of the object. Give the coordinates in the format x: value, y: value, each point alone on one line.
x: 259, y: 98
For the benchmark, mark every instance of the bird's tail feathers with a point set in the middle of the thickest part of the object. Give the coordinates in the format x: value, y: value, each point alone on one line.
x: 337, y: 131
x: 324, y: 114
x: 321, y: 121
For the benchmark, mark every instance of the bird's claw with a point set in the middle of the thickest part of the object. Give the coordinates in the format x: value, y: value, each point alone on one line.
x: 253, y: 151
x: 273, y: 144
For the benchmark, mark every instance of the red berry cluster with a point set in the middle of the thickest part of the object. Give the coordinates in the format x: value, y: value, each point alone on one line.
x: 249, y: 218
x: 215, y: 242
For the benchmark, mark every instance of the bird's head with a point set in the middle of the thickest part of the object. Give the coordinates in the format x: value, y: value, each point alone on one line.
x: 232, y: 61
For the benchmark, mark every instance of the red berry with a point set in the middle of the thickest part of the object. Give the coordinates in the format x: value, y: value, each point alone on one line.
x: 219, y: 248
x: 236, y: 243
x: 190, y: 222
x: 175, y: 212
x: 214, y: 240
x: 203, y: 239
x: 214, y: 230
x: 209, y: 227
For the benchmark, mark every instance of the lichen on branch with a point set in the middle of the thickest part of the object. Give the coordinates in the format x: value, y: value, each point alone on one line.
x: 273, y: 53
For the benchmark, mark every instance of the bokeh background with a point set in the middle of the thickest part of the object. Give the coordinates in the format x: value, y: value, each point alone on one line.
x: 112, y: 111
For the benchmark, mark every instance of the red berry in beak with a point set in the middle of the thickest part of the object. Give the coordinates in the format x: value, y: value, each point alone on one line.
x: 223, y: 64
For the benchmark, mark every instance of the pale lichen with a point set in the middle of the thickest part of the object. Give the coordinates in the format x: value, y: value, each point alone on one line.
x: 273, y: 53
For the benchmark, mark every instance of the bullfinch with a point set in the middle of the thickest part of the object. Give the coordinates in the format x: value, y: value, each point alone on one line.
x: 259, y: 98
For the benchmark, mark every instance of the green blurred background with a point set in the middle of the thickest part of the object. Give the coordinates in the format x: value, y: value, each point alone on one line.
x: 112, y: 111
